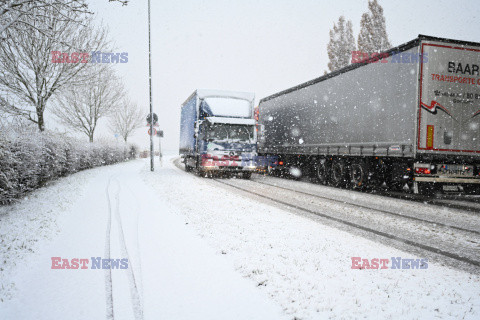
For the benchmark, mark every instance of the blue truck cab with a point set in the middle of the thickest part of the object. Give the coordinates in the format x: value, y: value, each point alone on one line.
x: 217, y: 133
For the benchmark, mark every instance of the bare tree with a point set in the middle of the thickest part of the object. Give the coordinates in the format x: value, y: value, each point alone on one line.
x: 341, y: 45
x: 126, y: 119
x: 82, y: 106
x: 20, y: 13
x: 27, y: 71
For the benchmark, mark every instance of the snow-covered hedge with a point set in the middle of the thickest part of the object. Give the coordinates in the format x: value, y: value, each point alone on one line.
x: 30, y: 159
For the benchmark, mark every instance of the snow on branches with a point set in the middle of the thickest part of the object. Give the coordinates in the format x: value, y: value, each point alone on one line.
x: 29, y: 159
x: 373, y: 30
x: 341, y: 44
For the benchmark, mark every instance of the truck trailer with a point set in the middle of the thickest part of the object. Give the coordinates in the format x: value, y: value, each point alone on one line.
x: 407, y: 117
x: 217, y: 133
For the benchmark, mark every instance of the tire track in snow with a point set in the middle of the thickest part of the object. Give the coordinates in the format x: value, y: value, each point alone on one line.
x: 134, y: 292
x: 108, y: 273
x: 372, y: 208
x: 452, y: 255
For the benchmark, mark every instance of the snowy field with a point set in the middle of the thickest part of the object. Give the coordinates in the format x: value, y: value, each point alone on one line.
x: 196, y: 250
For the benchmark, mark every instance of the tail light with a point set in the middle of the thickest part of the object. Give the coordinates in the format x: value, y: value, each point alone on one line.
x: 280, y: 163
x: 256, y: 113
x: 423, y: 171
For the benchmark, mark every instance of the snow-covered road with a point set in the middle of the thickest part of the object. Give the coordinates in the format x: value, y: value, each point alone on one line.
x: 200, y: 251
x: 452, y: 236
x: 171, y: 274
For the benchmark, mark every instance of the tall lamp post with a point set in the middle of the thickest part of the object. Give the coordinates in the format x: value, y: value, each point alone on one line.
x: 150, y: 86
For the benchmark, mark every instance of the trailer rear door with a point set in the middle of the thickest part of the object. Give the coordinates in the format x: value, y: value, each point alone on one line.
x: 449, y: 99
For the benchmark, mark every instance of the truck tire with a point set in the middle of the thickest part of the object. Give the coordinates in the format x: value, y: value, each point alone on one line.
x: 271, y: 171
x: 187, y: 167
x: 338, y: 177
x: 246, y: 175
x: 321, y: 172
x: 358, y: 175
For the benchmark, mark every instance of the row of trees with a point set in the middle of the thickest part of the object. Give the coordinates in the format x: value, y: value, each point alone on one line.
x: 372, y: 37
x: 30, y: 80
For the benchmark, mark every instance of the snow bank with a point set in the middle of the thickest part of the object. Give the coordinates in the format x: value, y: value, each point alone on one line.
x: 33, y: 221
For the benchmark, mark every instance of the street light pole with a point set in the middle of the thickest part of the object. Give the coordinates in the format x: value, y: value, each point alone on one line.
x: 150, y: 86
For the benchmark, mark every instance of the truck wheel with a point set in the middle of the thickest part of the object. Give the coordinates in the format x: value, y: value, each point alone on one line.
x: 187, y: 167
x: 246, y: 175
x: 358, y: 175
x: 321, y: 174
x: 338, y: 178
x: 271, y: 171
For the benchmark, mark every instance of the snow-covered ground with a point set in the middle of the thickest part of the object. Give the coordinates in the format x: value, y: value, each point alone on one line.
x: 200, y: 251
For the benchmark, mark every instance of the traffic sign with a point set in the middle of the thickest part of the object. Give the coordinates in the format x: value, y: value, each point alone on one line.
x: 149, y: 118
x: 154, y: 132
x: 160, y: 133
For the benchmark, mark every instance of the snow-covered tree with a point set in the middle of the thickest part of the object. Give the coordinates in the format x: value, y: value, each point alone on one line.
x: 20, y: 13
x: 81, y: 107
x: 341, y: 45
x: 27, y: 73
x: 373, y: 35
x: 126, y: 119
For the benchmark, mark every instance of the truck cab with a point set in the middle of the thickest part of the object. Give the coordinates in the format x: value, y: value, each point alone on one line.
x: 224, y: 135
x: 227, y: 144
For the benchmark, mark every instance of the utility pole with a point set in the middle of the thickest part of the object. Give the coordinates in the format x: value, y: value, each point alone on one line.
x: 150, y: 86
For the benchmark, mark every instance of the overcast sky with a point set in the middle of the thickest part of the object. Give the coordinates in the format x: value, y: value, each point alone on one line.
x: 261, y: 46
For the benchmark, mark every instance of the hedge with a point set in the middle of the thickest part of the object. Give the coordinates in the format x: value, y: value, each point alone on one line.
x: 30, y: 159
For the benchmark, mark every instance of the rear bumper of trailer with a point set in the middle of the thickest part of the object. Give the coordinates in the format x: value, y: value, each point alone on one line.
x: 228, y: 168
x: 447, y: 180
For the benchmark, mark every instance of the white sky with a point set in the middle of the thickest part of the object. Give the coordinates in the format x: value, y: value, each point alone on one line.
x: 261, y: 46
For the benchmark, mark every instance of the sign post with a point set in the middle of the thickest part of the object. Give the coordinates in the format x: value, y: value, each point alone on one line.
x: 150, y: 86
x: 152, y: 119
x: 160, y: 136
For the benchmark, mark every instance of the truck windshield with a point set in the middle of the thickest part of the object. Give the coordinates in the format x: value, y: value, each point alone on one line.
x: 228, y: 107
x: 229, y: 132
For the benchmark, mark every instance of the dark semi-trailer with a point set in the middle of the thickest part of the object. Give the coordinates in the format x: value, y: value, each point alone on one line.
x: 405, y: 118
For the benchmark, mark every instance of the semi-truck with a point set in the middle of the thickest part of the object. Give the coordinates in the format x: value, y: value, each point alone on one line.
x: 217, y: 133
x: 405, y: 118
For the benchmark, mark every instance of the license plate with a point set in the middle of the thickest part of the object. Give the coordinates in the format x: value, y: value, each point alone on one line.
x: 450, y: 188
x: 456, y: 169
